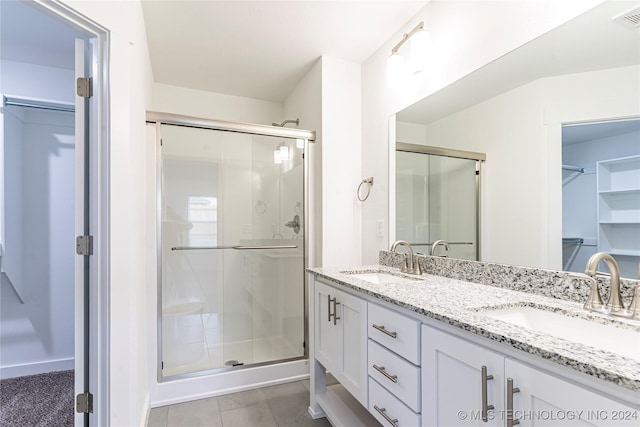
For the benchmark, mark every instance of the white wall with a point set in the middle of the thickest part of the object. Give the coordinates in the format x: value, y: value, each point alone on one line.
x: 305, y: 103
x: 210, y: 105
x: 466, y: 35
x: 37, y: 81
x: 341, y: 210
x: 37, y: 336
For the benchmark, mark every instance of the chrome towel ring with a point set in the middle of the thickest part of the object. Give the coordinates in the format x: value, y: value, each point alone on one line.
x: 369, y: 182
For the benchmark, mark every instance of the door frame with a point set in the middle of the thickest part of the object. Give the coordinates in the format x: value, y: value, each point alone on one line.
x: 98, y: 164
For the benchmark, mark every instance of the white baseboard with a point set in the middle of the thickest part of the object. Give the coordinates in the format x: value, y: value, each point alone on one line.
x: 36, y: 368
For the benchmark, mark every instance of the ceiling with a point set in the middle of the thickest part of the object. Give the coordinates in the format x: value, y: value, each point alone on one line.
x: 262, y: 49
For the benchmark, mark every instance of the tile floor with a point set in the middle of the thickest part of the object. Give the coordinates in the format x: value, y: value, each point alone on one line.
x: 282, y: 405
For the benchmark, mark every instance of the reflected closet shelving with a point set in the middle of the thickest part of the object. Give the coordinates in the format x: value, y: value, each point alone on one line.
x: 619, y: 206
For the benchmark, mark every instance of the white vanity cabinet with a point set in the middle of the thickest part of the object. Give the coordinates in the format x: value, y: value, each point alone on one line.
x: 341, y: 337
x: 394, y: 367
x: 453, y: 380
x: 454, y: 373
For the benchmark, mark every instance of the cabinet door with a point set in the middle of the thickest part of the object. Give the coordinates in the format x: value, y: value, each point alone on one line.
x: 352, y: 312
x: 544, y: 400
x: 327, y: 342
x: 452, y: 381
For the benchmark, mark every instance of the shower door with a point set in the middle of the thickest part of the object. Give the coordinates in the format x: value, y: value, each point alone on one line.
x: 232, y: 250
x: 437, y: 199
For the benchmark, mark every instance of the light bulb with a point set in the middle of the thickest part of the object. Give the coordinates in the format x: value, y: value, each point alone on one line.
x: 284, y: 152
x: 395, y: 70
x: 277, y: 157
x: 419, y: 50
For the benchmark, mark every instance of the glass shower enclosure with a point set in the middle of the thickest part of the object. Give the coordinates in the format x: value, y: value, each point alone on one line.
x: 232, y: 249
x: 437, y: 198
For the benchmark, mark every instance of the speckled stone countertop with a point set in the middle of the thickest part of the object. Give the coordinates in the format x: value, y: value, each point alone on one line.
x: 462, y: 303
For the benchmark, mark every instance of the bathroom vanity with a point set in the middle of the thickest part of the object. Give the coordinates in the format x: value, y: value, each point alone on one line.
x: 429, y: 350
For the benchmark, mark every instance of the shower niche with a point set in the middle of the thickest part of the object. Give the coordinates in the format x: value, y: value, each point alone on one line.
x: 231, y: 252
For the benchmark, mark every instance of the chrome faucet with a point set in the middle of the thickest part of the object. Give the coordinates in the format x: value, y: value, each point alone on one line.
x: 436, y: 244
x: 409, y: 265
x: 614, y: 304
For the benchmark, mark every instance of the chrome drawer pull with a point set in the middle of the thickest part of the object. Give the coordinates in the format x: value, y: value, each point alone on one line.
x: 393, y: 378
x: 511, y: 390
x: 384, y: 331
x: 485, y: 404
x: 383, y: 412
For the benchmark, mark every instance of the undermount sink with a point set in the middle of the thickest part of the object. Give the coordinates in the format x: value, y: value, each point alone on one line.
x: 625, y: 342
x: 379, y: 276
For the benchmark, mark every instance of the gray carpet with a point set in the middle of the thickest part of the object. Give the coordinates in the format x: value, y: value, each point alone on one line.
x: 37, y: 400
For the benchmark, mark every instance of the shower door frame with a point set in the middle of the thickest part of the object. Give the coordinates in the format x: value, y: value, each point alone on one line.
x: 444, y: 152
x: 157, y: 119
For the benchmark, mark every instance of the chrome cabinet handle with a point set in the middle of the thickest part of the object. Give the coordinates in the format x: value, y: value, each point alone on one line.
x: 511, y: 390
x: 335, y: 309
x: 329, y: 308
x: 392, y: 378
x: 384, y: 331
x: 485, y: 404
x: 383, y: 412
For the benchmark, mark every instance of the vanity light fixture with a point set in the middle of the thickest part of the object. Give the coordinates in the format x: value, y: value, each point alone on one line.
x: 397, y: 67
x: 277, y: 156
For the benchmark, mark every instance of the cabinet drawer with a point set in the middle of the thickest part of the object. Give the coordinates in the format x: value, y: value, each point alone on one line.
x: 397, y: 332
x: 402, y: 378
x: 383, y: 402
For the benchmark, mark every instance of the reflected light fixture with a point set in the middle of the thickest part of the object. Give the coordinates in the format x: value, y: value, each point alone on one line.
x: 281, y: 153
x: 397, y: 67
x: 300, y: 142
x: 284, y: 152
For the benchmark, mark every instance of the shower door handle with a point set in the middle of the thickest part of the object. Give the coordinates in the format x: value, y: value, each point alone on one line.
x: 246, y: 247
x: 238, y: 247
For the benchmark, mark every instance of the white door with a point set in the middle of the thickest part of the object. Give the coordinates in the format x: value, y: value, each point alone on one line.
x: 81, y: 321
x: 352, y: 324
x: 452, y: 382
x: 327, y: 345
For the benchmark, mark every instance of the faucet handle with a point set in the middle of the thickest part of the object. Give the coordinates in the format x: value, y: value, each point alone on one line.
x: 594, y: 300
x: 405, y: 264
x: 634, y: 307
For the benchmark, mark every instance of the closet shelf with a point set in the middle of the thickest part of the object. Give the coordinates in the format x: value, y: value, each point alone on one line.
x: 622, y: 191
x: 623, y: 252
x: 619, y: 222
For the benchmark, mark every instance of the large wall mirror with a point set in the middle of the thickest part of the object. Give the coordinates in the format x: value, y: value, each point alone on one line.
x: 516, y: 110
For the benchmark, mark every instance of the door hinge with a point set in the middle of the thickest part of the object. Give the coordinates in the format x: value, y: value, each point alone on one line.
x: 84, y: 87
x: 84, y: 403
x: 84, y: 245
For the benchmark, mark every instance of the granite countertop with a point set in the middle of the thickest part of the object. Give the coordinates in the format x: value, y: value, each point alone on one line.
x: 461, y: 304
